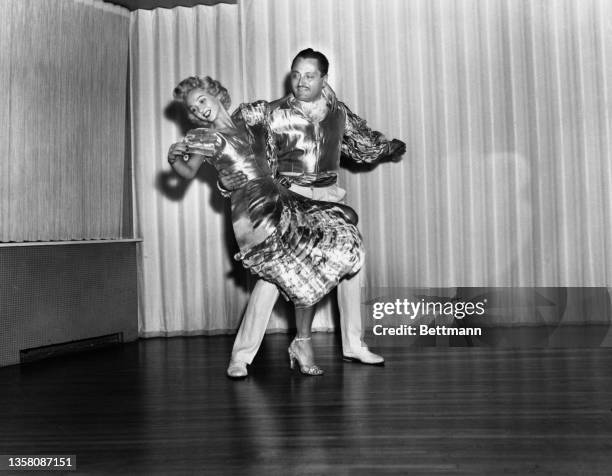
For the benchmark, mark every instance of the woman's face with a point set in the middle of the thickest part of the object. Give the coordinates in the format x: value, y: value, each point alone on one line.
x: 202, y: 105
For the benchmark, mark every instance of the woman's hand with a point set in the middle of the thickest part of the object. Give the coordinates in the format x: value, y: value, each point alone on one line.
x: 186, y: 159
x: 184, y: 151
x: 177, y: 151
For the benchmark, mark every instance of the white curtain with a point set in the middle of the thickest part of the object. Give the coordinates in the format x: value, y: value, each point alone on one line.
x: 188, y: 282
x: 63, y: 71
x: 505, y: 107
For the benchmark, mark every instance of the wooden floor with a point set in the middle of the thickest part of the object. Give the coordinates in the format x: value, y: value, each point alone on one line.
x: 165, y: 407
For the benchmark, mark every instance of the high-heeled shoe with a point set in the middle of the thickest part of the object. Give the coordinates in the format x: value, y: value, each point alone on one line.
x: 294, y: 356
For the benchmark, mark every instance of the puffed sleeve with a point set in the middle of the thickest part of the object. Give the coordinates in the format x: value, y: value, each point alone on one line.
x: 205, y: 141
x: 253, y: 113
x: 360, y: 143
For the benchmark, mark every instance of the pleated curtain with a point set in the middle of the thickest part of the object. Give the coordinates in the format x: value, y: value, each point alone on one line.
x: 505, y: 107
x: 188, y: 280
x: 63, y: 71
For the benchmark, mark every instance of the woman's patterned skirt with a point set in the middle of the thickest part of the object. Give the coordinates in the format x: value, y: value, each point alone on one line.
x: 314, y: 246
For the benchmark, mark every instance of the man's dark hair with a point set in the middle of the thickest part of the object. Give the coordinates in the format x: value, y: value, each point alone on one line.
x: 309, y: 53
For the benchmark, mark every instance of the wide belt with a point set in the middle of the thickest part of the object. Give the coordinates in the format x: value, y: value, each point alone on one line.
x: 309, y: 180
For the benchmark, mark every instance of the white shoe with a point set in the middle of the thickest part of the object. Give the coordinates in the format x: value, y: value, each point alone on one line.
x: 364, y: 356
x: 237, y: 369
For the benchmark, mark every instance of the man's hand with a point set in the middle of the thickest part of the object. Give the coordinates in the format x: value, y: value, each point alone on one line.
x: 232, y: 180
x: 397, y: 148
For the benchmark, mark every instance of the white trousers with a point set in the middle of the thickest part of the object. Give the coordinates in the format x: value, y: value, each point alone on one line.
x: 264, y: 296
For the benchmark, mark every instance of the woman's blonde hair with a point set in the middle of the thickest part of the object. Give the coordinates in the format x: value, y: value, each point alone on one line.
x: 211, y: 86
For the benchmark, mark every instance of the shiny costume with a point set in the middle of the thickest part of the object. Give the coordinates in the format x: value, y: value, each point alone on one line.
x: 306, y: 155
x: 303, y: 246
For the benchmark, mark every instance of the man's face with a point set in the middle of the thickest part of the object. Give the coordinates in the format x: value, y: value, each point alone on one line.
x: 306, y: 80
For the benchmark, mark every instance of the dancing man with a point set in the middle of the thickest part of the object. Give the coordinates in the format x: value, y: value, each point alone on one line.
x: 306, y: 132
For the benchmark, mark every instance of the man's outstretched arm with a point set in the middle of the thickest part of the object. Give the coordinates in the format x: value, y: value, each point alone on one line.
x: 363, y: 144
